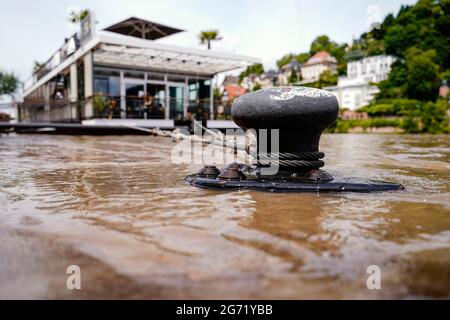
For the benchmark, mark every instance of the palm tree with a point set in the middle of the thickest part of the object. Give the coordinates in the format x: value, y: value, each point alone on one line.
x: 37, y: 66
x: 208, y: 36
x: 75, y: 17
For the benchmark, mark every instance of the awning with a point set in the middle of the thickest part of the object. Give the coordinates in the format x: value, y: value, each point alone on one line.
x: 142, y: 29
x: 124, y: 51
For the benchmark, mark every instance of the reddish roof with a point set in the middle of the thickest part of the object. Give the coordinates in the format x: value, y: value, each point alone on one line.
x: 321, y: 54
x: 321, y: 57
x: 234, y: 91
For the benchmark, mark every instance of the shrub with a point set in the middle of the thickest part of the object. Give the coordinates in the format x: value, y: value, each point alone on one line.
x: 342, y: 126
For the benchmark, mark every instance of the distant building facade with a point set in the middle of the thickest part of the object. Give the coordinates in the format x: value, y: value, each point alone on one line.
x: 230, y: 80
x: 371, y: 69
x: 248, y: 82
x: 269, y: 79
x: 356, y: 89
x: 318, y: 63
x: 233, y: 91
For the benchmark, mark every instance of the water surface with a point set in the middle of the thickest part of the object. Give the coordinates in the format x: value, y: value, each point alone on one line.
x: 119, y: 209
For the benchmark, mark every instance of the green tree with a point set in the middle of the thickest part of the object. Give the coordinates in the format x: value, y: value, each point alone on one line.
x: 425, y: 26
x: 417, y: 116
x: 256, y: 69
x: 284, y: 60
x: 209, y: 35
x: 410, y: 124
x: 9, y: 83
x: 256, y: 87
x: 416, y: 77
x: 323, y: 43
x: 293, y: 77
x: 446, y: 75
x: 418, y: 35
x: 300, y: 58
x: 395, y: 85
x: 327, y: 78
x: 372, y: 46
x: 434, y: 117
x: 422, y: 79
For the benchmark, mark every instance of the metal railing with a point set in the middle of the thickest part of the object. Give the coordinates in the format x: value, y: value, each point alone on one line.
x: 71, y: 45
x: 149, y: 108
x: 53, y: 110
x: 109, y: 107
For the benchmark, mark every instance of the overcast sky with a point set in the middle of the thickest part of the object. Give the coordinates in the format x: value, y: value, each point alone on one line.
x: 33, y: 30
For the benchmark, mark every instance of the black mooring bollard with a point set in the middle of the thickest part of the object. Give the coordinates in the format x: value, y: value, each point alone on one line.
x: 299, y: 116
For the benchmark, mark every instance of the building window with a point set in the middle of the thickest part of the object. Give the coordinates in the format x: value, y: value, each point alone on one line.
x: 80, y: 80
x: 101, y: 86
x: 106, y: 72
x: 193, y: 89
x: 176, y: 78
x: 107, y: 86
x: 134, y: 74
x: 357, y: 100
x: 155, y: 76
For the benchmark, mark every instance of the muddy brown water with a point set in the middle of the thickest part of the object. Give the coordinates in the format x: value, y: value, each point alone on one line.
x: 119, y: 209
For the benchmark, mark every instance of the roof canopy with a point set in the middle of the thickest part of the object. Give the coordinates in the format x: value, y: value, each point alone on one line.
x: 142, y: 29
x: 126, y: 51
x: 119, y: 50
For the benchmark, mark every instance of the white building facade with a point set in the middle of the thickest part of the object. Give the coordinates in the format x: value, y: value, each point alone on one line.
x: 356, y: 90
x: 371, y: 69
x: 122, y: 73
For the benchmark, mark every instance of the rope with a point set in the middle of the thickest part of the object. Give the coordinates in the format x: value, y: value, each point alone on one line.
x: 305, y: 160
x: 151, y: 131
x: 293, y: 156
x: 218, y: 141
x: 292, y: 160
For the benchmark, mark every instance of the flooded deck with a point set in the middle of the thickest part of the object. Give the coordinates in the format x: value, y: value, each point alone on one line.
x: 117, y: 207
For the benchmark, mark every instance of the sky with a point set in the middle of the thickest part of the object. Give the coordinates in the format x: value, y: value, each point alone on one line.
x: 33, y: 29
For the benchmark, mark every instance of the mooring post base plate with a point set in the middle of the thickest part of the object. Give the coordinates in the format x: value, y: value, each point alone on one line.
x: 336, y: 185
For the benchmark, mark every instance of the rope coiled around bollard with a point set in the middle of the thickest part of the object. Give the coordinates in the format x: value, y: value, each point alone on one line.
x: 306, y: 160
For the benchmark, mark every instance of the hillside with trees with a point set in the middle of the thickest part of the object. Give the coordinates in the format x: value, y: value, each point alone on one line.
x: 419, y: 37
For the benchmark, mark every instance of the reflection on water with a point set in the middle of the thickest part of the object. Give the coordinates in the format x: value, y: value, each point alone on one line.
x: 117, y: 207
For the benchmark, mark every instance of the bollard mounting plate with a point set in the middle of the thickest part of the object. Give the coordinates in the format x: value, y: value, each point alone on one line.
x: 337, y: 185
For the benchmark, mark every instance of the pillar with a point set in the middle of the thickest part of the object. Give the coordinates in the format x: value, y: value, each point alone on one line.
x: 46, y: 116
x: 73, y: 95
x: 88, y: 85
x: 211, y: 101
x: 123, y: 101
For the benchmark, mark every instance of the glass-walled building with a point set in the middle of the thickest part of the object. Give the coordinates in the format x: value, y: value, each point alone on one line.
x: 122, y: 73
x: 141, y: 94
